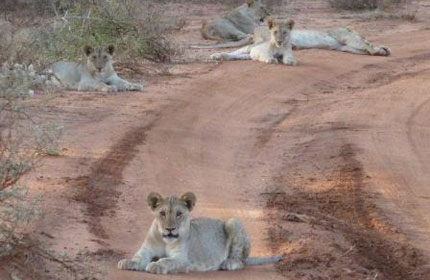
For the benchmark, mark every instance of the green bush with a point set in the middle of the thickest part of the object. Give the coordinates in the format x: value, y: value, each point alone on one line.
x: 134, y: 27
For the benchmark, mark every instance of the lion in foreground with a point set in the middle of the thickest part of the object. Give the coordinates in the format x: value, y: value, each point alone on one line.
x: 95, y: 74
x: 176, y: 243
x: 276, y: 48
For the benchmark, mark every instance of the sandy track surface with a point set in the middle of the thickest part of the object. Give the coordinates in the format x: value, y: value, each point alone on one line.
x: 340, y: 141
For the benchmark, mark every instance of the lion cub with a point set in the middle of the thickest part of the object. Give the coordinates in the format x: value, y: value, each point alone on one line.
x: 96, y: 74
x: 276, y: 48
x: 176, y: 243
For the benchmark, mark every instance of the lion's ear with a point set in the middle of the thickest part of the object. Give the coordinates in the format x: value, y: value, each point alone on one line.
x: 271, y: 23
x: 154, y: 200
x: 249, y: 2
x: 290, y: 24
x: 88, y: 50
x: 190, y: 200
x: 110, y: 49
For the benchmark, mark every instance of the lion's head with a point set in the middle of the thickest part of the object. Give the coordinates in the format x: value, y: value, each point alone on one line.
x: 258, y: 10
x: 280, y: 31
x: 99, y: 59
x: 172, y: 217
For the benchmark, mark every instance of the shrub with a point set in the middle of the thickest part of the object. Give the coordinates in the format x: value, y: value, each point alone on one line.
x: 366, y: 4
x: 355, y: 4
x: 135, y: 27
x: 23, y: 138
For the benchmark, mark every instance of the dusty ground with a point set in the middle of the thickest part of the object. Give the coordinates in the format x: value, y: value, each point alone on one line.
x: 334, y: 151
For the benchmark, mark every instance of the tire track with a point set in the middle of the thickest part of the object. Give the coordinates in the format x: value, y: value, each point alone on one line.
x: 98, y: 190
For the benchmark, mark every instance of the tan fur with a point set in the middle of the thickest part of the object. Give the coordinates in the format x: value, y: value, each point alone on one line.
x: 275, y: 48
x: 337, y: 39
x: 236, y: 24
x: 95, y: 74
x: 176, y: 243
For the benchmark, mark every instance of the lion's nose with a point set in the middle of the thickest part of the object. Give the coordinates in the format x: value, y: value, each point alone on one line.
x: 99, y: 68
x: 170, y: 229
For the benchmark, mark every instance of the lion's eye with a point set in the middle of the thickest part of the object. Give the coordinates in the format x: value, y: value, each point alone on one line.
x: 163, y: 214
x: 178, y: 214
x: 104, y: 57
x: 276, y: 32
x: 94, y: 57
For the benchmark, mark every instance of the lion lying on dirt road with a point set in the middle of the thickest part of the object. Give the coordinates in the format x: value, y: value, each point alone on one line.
x: 236, y: 24
x: 176, y: 243
x: 96, y: 74
x: 338, y: 39
x: 273, y: 49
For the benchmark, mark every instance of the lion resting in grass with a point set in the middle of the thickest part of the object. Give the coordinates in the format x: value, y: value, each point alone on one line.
x: 95, y: 74
x: 276, y: 48
x: 236, y: 24
x: 176, y: 243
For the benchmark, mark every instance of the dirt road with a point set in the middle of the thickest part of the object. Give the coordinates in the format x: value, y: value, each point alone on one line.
x: 340, y: 138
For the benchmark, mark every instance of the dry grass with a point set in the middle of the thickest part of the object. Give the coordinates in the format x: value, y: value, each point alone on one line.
x: 367, y: 4
x: 60, y: 29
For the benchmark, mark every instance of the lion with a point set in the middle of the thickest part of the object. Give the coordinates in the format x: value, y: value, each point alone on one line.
x: 276, y: 48
x: 96, y: 74
x: 236, y: 24
x: 176, y: 243
x: 338, y: 39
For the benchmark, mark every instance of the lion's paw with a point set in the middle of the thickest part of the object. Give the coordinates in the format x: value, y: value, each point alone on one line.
x: 217, y: 56
x: 291, y: 62
x: 157, y: 268
x: 127, y: 264
x: 271, y: 60
x: 108, y: 88
x: 136, y: 87
x: 384, y: 51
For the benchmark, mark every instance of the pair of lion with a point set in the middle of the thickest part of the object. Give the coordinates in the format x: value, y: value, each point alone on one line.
x: 264, y: 44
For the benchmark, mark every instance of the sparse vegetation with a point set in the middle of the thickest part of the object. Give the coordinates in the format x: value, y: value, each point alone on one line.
x: 137, y: 28
x: 378, y: 9
x: 365, y: 4
x: 356, y: 4
x: 23, y: 139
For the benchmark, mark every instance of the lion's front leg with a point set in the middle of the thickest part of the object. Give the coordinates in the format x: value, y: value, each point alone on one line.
x: 123, y: 85
x: 135, y: 263
x: 288, y: 58
x: 139, y: 261
x: 166, y: 265
x: 90, y: 85
x: 266, y: 58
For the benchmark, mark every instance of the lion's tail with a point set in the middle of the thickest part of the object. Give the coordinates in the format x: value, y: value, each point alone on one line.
x: 262, y: 260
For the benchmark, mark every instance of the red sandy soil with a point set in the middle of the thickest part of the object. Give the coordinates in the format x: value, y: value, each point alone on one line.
x: 327, y: 163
